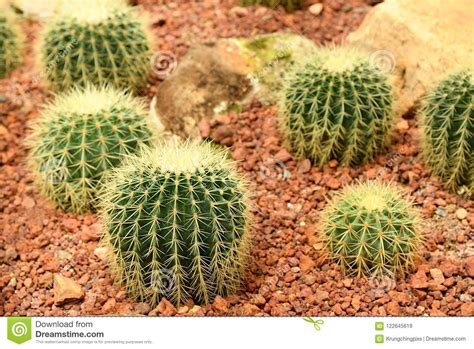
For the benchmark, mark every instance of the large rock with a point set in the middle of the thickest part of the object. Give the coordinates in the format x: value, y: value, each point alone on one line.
x: 66, y: 290
x: 424, y: 39
x: 212, y: 78
x: 270, y: 56
x: 41, y: 10
x: 36, y: 10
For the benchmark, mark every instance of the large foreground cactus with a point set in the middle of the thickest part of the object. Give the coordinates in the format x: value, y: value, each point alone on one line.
x: 289, y: 5
x: 448, y: 130
x: 11, y: 41
x: 177, y: 221
x: 79, y: 137
x: 337, y: 106
x: 98, y: 42
x: 369, y: 229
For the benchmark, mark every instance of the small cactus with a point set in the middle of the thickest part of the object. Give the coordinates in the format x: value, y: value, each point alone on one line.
x: 177, y: 221
x: 338, y: 106
x: 448, y: 130
x: 369, y: 229
x: 95, y: 42
x: 79, y: 137
x: 11, y: 41
x: 289, y: 5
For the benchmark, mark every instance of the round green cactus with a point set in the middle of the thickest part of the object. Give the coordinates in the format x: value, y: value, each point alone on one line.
x: 11, y: 42
x: 79, y: 137
x: 448, y: 130
x: 289, y: 5
x: 369, y: 229
x: 95, y: 42
x: 177, y: 224
x: 337, y: 106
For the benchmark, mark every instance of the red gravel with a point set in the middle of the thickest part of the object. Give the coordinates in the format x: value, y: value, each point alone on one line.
x: 288, y: 274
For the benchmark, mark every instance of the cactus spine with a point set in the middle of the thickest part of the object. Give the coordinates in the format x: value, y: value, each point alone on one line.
x: 177, y: 221
x: 79, y: 137
x: 369, y: 229
x: 92, y: 42
x: 337, y: 106
x: 448, y: 130
x: 11, y: 41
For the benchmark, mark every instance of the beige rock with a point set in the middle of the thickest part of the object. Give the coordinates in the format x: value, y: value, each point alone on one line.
x: 183, y: 310
x: 63, y: 255
x: 212, y: 78
x: 421, y: 40
x: 402, y: 125
x: 66, y: 290
x: 28, y: 282
x: 195, y: 309
x: 461, y: 213
x: 37, y: 10
x: 239, y: 11
x: 102, y: 253
x: 46, y: 280
x: 12, y: 282
x: 437, y: 275
x: 208, y: 78
x: 316, y: 9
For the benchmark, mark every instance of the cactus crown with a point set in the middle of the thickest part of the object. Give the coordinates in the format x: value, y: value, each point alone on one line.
x: 92, y: 11
x: 370, y: 229
x: 289, y: 5
x: 339, y: 59
x: 448, y: 130
x: 336, y: 106
x: 11, y: 41
x: 177, y: 221
x: 95, y: 42
x: 79, y: 138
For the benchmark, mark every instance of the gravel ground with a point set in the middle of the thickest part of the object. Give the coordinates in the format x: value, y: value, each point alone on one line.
x: 289, y: 274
